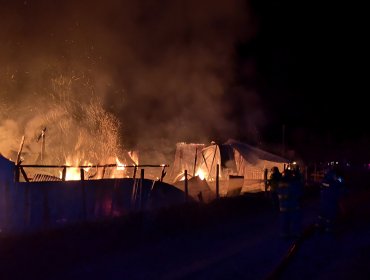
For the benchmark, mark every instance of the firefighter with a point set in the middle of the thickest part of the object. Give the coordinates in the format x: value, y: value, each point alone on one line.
x: 290, y: 192
x: 332, y: 189
x: 273, y: 184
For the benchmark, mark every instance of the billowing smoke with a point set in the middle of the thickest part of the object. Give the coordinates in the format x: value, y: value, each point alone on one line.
x: 138, y: 74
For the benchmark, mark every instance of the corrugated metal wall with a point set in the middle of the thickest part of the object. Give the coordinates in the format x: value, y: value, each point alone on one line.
x: 34, y: 206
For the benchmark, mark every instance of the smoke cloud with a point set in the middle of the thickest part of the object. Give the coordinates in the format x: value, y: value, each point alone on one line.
x: 158, y: 69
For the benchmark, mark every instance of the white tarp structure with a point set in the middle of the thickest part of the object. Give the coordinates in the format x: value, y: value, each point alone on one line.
x: 241, y: 166
x: 187, y: 157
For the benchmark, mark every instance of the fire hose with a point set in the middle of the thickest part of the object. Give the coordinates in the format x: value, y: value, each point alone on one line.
x: 308, y: 232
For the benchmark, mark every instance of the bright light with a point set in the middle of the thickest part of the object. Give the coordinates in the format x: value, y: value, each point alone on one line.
x: 201, y: 174
x: 74, y: 173
x: 119, y: 171
x: 120, y: 165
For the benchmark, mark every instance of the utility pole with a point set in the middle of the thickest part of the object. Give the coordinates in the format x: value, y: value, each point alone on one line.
x: 42, y: 138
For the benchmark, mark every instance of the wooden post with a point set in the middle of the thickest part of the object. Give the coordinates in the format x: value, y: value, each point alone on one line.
x: 43, y: 146
x: 64, y: 173
x: 265, y: 179
x: 163, y: 173
x: 134, y: 190
x: 24, y: 174
x: 135, y: 169
x: 186, y: 186
x: 103, y: 172
x: 195, y: 161
x: 82, y: 174
x: 17, y: 173
x: 217, y: 181
x: 133, y: 194
x: 18, y: 161
x: 42, y: 138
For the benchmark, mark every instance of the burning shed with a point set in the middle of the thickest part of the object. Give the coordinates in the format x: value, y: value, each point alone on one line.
x: 241, y: 166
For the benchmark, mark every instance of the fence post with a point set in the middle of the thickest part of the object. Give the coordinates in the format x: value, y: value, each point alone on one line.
x: 103, y: 172
x: 134, y: 175
x: 217, y: 181
x: 64, y: 173
x: 82, y: 175
x: 265, y: 178
x: 186, y: 186
x: 17, y: 175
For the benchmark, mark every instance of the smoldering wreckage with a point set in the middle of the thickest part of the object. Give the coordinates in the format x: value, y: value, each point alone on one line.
x: 39, y: 196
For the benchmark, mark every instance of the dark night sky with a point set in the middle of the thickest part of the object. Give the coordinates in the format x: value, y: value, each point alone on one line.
x: 308, y: 61
x: 194, y: 70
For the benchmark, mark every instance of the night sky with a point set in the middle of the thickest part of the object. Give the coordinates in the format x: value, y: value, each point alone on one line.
x: 190, y: 71
x: 309, y: 60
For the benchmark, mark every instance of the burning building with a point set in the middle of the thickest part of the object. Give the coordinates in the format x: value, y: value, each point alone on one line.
x: 230, y: 168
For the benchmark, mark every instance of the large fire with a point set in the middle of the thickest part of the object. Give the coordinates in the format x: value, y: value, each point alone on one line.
x: 120, y: 170
x: 70, y: 139
x: 74, y: 166
x: 73, y: 173
x: 200, y: 173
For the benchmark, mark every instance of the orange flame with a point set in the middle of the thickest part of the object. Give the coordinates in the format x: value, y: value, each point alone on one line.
x: 201, y: 174
x: 120, y: 170
x: 120, y: 165
x: 74, y: 173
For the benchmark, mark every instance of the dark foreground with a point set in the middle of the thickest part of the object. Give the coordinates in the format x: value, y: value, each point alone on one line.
x: 234, y: 238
